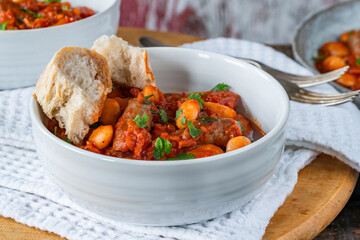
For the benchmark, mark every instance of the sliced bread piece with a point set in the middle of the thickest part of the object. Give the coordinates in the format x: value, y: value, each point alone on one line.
x: 129, y: 65
x: 72, y: 89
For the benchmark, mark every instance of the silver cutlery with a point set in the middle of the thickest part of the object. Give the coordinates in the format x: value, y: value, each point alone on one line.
x: 292, y: 83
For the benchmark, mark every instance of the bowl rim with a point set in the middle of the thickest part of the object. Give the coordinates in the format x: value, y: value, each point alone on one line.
x: 302, y: 24
x: 61, y: 27
x: 279, y: 126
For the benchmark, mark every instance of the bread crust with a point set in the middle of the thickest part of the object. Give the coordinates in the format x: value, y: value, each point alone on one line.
x: 73, y: 88
x: 130, y: 66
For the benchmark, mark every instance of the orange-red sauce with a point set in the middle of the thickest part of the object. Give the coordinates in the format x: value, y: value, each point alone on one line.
x: 32, y: 14
x: 133, y: 141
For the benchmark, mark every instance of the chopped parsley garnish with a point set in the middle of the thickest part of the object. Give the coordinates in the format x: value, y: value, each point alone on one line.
x: 65, y: 8
x: 55, y: 130
x: 319, y: 58
x: 141, y: 122
x: 147, y: 101
x: 162, y: 146
x: 183, y: 120
x: 183, y: 156
x: 3, y: 26
x: 31, y: 12
x: 358, y: 61
x: 197, y: 97
x: 67, y: 140
x: 194, y: 132
x: 96, y: 125
x: 207, y: 119
x: 242, y: 130
x: 49, y: 1
x: 178, y: 113
x: 221, y: 87
x: 163, y: 115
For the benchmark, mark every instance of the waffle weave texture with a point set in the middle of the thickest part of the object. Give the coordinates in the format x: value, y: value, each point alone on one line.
x: 28, y: 196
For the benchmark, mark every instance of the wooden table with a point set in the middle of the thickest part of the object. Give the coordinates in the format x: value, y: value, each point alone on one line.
x: 322, y: 190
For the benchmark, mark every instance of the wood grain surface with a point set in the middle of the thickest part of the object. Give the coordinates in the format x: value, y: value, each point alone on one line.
x: 322, y: 190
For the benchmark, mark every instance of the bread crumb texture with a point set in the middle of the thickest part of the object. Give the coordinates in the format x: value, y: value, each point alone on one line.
x: 72, y: 89
x: 129, y: 65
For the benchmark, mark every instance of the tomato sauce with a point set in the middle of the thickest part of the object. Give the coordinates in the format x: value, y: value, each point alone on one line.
x: 167, y: 126
x: 33, y: 14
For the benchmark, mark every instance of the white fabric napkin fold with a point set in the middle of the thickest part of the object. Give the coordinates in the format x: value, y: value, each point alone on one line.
x: 28, y: 196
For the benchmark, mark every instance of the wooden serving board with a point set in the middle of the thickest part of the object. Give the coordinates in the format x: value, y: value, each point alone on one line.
x: 322, y: 190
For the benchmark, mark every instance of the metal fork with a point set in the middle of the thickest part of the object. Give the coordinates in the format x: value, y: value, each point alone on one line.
x: 299, y: 94
x: 301, y: 81
x: 291, y: 83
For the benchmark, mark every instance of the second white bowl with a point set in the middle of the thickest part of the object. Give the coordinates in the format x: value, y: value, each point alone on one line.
x: 25, y: 53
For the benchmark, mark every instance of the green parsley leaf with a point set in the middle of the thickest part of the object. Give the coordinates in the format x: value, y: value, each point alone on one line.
x: 183, y: 120
x: 96, y: 125
x: 147, y: 101
x: 49, y: 1
x: 194, y: 132
x: 161, y: 146
x: 68, y: 140
x: 358, y: 61
x: 31, y: 12
x: 55, y: 130
x: 207, y: 119
x: 183, y: 156
x: 163, y: 115
x: 178, y: 113
x: 220, y: 87
x: 3, y: 26
x: 197, y: 97
x: 65, y: 8
x: 319, y: 58
x: 242, y: 130
x: 141, y: 122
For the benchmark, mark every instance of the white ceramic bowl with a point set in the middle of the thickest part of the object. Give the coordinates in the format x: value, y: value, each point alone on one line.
x: 184, y: 191
x: 25, y: 53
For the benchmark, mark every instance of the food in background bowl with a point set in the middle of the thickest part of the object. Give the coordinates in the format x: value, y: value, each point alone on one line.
x: 335, y: 55
x: 164, y: 193
x: 32, y: 14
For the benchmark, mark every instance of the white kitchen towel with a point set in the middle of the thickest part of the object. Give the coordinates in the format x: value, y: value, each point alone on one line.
x: 28, y: 196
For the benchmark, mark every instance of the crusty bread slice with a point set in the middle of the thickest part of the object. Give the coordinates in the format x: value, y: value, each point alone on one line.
x: 72, y: 89
x: 129, y: 65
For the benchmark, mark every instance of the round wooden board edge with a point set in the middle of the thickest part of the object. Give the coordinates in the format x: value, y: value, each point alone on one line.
x: 132, y: 36
x: 316, y: 222
x: 327, y: 213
